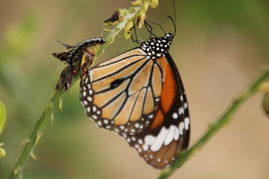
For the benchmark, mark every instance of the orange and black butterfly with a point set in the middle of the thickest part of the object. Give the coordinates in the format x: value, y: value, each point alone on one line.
x: 139, y: 95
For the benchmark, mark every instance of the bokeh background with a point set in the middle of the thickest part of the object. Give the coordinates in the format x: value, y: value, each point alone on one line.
x: 221, y: 46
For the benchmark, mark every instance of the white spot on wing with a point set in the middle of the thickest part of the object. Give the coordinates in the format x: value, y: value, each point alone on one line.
x: 170, y: 135
x: 84, y: 93
x: 94, y: 108
x: 181, y: 127
x: 145, y: 147
x: 89, y: 98
x: 176, y: 134
x: 86, y: 80
x: 180, y: 111
x: 175, y: 115
x: 94, y: 116
x: 149, y: 139
x: 106, y: 121
x: 187, y: 122
x: 85, y: 103
x: 159, y: 140
x: 185, y: 105
x: 137, y: 125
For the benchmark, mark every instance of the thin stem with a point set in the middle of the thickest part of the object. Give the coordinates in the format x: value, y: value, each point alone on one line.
x: 37, y: 133
x: 43, y: 121
x: 216, y: 126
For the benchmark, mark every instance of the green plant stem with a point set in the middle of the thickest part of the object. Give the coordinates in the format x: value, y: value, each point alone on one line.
x: 215, y: 127
x: 43, y: 121
x: 37, y: 133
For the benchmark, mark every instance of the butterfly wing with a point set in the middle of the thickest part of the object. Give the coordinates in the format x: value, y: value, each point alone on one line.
x: 169, y: 131
x: 119, y: 93
x: 141, y: 99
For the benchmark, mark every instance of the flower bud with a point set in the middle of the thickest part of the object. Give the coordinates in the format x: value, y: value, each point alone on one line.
x: 136, y: 2
x: 127, y: 29
x: 140, y: 20
x: 154, y: 3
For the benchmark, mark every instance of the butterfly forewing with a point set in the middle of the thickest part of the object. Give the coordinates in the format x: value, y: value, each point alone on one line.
x: 119, y: 94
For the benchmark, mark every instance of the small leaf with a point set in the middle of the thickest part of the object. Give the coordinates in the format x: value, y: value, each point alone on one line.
x: 33, y: 156
x: 2, y: 116
x: 25, y: 141
x: 38, y: 137
x: 16, y: 170
x: 2, y: 152
x: 61, y: 104
x: 52, y: 118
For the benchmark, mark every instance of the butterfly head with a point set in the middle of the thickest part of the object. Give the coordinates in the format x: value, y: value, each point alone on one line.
x: 169, y: 37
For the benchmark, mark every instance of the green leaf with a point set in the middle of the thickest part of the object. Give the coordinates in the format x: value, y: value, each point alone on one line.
x: 2, y: 152
x: 2, y: 116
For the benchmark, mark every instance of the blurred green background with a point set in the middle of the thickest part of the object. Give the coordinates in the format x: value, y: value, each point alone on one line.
x: 220, y: 47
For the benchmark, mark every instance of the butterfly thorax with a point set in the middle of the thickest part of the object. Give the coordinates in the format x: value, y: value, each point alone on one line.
x: 157, y: 47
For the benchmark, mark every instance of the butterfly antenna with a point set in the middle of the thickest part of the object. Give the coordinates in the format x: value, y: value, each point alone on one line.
x: 174, y: 24
x: 175, y: 16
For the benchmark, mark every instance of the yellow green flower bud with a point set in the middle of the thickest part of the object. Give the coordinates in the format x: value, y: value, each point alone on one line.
x: 136, y: 2
x: 154, y: 3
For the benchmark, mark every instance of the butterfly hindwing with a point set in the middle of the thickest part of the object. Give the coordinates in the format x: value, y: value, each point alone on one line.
x: 168, y: 133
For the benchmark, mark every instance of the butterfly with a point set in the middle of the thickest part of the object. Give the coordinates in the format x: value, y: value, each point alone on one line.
x: 73, y: 59
x: 139, y: 94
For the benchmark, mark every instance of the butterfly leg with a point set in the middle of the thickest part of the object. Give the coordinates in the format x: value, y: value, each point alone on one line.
x: 67, y: 46
x: 150, y: 29
x: 134, y: 38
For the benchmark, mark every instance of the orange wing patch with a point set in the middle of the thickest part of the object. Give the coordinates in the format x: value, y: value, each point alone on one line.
x: 168, y: 94
x: 158, y: 120
x: 169, y: 86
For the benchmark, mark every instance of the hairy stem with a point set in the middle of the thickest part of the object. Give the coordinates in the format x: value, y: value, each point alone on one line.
x: 216, y: 126
x: 43, y: 121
